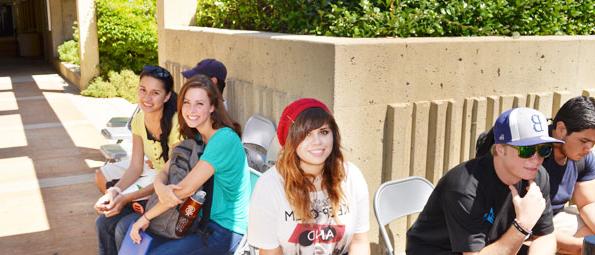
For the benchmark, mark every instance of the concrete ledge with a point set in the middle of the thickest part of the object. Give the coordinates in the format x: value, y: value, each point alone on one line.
x: 70, y: 72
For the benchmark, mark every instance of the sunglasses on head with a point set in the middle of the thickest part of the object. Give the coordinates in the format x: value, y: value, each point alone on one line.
x: 544, y: 150
x: 158, y: 71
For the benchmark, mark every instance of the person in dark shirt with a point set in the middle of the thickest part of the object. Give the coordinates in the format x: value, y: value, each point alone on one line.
x: 492, y: 204
x: 572, y: 173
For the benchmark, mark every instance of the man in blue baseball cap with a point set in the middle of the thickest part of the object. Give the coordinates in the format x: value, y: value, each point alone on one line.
x: 493, y: 203
x: 212, y: 68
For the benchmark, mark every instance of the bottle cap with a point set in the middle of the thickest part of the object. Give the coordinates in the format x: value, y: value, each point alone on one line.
x: 200, y: 196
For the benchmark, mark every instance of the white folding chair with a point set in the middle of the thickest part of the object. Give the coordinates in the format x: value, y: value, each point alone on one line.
x: 256, y: 138
x: 115, y: 130
x: 398, y: 198
x: 259, y: 130
x: 273, y: 151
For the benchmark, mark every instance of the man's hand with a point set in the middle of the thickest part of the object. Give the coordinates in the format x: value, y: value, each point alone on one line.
x: 166, y: 194
x: 529, y: 208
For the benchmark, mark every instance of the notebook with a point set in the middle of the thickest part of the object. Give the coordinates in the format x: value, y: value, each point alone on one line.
x: 130, y: 248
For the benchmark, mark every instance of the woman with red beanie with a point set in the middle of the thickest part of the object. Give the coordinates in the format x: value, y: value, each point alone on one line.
x: 312, y: 201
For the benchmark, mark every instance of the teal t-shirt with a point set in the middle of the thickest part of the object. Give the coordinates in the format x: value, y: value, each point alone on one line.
x: 231, y: 185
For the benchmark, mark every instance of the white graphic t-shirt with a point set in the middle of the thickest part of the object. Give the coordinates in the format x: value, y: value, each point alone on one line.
x: 273, y: 223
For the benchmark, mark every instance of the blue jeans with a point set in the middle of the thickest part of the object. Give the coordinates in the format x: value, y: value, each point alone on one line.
x: 219, y: 241
x: 111, y: 230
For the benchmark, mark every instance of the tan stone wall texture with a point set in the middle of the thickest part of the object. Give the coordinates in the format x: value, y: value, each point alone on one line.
x: 264, y: 72
x: 404, y: 106
x: 88, y: 43
x: 63, y: 15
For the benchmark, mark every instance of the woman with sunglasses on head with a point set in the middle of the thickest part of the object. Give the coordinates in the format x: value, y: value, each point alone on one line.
x: 201, y: 113
x: 312, y: 201
x: 154, y: 133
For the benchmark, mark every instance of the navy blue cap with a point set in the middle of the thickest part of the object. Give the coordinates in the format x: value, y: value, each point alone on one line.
x: 209, y: 67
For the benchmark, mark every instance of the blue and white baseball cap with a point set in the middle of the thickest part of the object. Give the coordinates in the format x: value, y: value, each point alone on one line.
x: 522, y: 127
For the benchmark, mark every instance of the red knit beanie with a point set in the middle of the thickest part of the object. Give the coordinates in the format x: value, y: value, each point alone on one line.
x: 292, y: 111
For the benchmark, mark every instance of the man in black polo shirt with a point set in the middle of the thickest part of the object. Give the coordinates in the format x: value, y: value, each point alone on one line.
x: 476, y: 207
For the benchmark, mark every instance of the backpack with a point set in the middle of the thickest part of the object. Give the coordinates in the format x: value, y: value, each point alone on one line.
x: 184, y: 157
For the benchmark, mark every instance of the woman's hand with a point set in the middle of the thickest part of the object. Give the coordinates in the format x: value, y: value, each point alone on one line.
x: 141, y: 224
x: 149, y: 163
x: 116, y: 205
x: 166, y: 194
x: 102, y: 204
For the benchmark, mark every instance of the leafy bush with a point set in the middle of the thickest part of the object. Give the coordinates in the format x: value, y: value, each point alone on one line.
x: 123, y: 84
x: 127, y: 33
x: 403, y: 18
x: 69, y: 52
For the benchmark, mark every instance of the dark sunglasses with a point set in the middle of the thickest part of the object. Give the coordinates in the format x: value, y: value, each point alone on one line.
x: 544, y: 150
x: 158, y: 71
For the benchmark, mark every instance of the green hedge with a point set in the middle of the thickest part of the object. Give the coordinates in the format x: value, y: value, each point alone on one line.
x: 402, y: 18
x: 123, y: 84
x: 127, y: 32
x: 68, y: 51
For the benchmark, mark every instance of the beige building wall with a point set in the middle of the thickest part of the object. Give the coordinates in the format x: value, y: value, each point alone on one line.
x: 88, y: 43
x: 62, y: 16
x: 405, y: 106
x: 265, y: 72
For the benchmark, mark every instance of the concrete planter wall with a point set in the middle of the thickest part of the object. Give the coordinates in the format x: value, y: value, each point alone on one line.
x: 405, y: 106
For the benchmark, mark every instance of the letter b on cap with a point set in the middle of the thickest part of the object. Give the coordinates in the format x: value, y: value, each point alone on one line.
x: 537, y: 124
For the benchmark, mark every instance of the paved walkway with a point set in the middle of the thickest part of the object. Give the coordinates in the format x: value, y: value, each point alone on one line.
x: 49, y: 141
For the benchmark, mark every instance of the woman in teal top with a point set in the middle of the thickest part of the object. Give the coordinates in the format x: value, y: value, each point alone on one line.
x: 201, y: 112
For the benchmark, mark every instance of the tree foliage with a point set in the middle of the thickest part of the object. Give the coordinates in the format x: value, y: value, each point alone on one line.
x: 127, y: 33
x: 402, y: 18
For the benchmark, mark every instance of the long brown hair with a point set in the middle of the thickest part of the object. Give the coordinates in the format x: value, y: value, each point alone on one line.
x: 169, y: 108
x: 299, y: 184
x: 220, y: 117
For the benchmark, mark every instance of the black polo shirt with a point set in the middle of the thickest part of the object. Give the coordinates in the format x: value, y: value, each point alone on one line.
x: 460, y: 213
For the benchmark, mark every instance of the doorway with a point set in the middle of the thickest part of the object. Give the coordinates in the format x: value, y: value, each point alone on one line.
x: 6, y: 20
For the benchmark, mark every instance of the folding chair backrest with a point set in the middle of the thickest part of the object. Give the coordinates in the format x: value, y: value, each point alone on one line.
x: 259, y: 130
x: 129, y: 124
x: 273, y: 151
x: 114, y: 131
x: 398, y: 198
x: 256, y: 156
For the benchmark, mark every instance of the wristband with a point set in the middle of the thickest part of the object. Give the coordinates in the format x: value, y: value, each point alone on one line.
x: 144, y: 216
x: 520, y: 228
